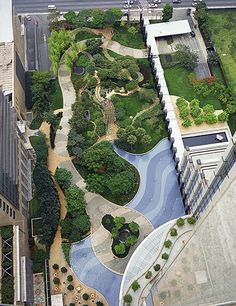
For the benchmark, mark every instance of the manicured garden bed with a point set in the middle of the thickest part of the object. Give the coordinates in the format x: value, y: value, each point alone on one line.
x: 126, y: 38
x: 83, y: 35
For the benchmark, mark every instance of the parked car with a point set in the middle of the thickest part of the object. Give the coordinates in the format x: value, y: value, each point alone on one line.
x: 192, y: 33
x: 130, y: 2
x: 126, y: 6
x: 176, y: 1
x: 188, y: 12
x: 152, y: 5
x: 28, y: 17
x: 157, y: 1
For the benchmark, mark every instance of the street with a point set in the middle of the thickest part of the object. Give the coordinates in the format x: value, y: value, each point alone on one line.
x: 41, y: 6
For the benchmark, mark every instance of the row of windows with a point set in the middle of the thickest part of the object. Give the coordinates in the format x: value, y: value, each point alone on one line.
x: 5, y: 207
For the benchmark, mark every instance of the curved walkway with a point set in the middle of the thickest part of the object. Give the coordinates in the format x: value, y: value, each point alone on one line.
x: 125, y: 51
x: 158, y: 200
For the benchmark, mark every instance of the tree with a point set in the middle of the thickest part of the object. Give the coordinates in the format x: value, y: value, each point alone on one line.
x: 148, y: 275
x: 55, y: 267
x: 127, y: 298
x: 119, y: 222
x: 167, y: 12
x: 70, y: 287
x: 121, y: 134
x: 186, y: 123
x: 93, y: 45
x: 81, y: 223
x: 95, y: 183
x: 75, y: 200
x: 71, y: 17
x: 56, y: 281
x: 70, y: 278
x: 75, y: 143
x: 120, y: 249
x: 191, y: 220
x: 180, y: 222
x: 210, y: 118
x: 132, y: 30
x: 112, y: 15
x: 98, y: 18
x: 173, y: 232
x: 63, y: 177
x: 223, y: 117
x: 199, y: 120
x: 165, y: 256
x: 121, y: 183
x: 185, y: 57
x: 168, y: 244
x: 91, y: 82
x: 63, y: 270
x: 134, y: 227
x: 131, y: 85
x: 157, y: 267
x: 131, y: 240
x: 147, y: 95
x: 135, y: 286
x: 131, y: 139
x: 146, y: 140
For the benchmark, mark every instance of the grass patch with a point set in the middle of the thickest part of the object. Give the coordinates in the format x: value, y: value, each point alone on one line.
x: 83, y: 35
x: 122, y: 36
x: 55, y: 97
x: 114, y: 54
x: 177, y: 79
x: 34, y: 207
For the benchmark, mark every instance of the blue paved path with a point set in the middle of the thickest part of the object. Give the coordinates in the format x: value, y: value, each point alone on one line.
x: 158, y: 198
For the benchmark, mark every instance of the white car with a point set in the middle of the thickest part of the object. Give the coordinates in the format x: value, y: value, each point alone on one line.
x: 152, y: 5
x: 129, y: 2
x: 157, y: 1
x: 28, y: 17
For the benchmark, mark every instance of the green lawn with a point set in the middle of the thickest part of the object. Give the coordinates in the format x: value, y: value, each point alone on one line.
x: 122, y: 36
x: 177, y: 79
x: 222, y: 27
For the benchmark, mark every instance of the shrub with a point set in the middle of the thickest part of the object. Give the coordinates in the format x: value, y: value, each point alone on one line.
x: 223, y: 117
x: 131, y: 240
x: 186, y: 123
x: 168, y: 244
x: 199, y: 120
x: 56, y: 281
x: 70, y: 287
x: 210, y: 118
x: 63, y: 177
x: 120, y: 249
x: 148, y: 275
x: 165, y: 256
x: 55, y: 267
x: 127, y: 298
x: 173, y: 232
x: 70, y: 278
x: 135, y: 286
x: 208, y: 109
x: 63, y: 270
x: 131, y: 85
x: 72, y: 304
x: 181, y: 103
x: 85, y: 296
x: 184, y: 113
x: 99, y: 303
x: 180, y: 222
x: 66, y: 246
x: 108, y: 222
x: 191, y: 220
x: 134, y: 227
x: 157, y: 267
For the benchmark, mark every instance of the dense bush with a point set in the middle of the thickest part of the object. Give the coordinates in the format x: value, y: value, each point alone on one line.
x: 108, y: 222
x: 75, y: 200
x: 199, y: 120
x: 173, y: 232
x: 223, y: 117
x: 55, y: 266
x: 85, y: 296
x: 38, y: 258
x: 70, y: 287
x: 187, y: 123
x: 131, y: 85
x: 66, y: 246
x: 63, y: 177
x: 56, y: 281
x: 70, y: 278
x: 191, y: 220
x: 98, y: 303
x: 210, y: 118
x: 63, y: 270
x: 135, y: 286
x: 7, y: 290
x: 127, y: 298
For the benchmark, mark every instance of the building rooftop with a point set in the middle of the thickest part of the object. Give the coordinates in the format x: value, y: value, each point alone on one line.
x: 6, y: 56
x: 168, y: 28
x: 6, y: 32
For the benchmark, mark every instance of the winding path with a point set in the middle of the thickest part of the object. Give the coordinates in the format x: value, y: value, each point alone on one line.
x: 157, y: 201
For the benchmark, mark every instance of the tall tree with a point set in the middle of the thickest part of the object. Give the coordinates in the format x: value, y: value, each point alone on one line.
x: 167, y: 12
x: 186, y: 58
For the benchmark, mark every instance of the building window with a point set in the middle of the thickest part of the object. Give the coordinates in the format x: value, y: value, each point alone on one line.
x: 10, y: 212
x: 4, y: 205
x: 7, y: 209
x: 0, y: 203
x: 14, y: 215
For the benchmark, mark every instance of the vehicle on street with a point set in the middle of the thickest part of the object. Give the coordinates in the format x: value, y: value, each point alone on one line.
x: 152, y: 5
x: 129, y: 2
x: 126, y: 6
x: 52, y: 7
x: 192, y: 33
x: 176, y: 1
x: 157, y: 1
x: 195, y: 2
x: 188, y: 12
x: 28, y: 17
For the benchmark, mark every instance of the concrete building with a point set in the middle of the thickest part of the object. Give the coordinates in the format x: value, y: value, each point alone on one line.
x: 16, y: 156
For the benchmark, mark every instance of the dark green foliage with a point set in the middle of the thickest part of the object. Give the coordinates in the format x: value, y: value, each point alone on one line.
x: 63, y: 177
x: 108, y: 222
x: 75, y: 200
x: 39, y: 257
x: 135, y: 286
x: 83, y: 35
x: 99, y: 303
x: 85, y: 296
x: 127, y: 298
x: 134, y: 227
x: 185, y: 57
x: 148, y: 275
x: 131, y: 240
x: 157, y: 267
x: 148, y: 95
x: 7, y: 290
x: 70, y: 278
x: 180, y: 222
x: 167, y: 12
x: 165, y: 256
x: 56, y: 281
x: 223, y: 117
x: 6, y: 231
x: 66, y: 246
x: 120, y: 249
x: 93, y: 45
x: 173, y: 232
x: 63, y: 270
x: 55, y: 266
x: 70, y: 287
x: 131, y: 85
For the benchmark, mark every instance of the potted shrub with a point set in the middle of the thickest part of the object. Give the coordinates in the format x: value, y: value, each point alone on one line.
x: 70, y: 278
x: 55, y: 267
x: 157, y: 267
x: 165, y: 256
x: 191, y: 220
x: 168, y: 244
x: 127, y: 298
x: 148, y: 275
x: 180, y: 222
x: 56, y: 281
x: 135, y: 286
x: 70, y: 287
x: 99, y: 303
